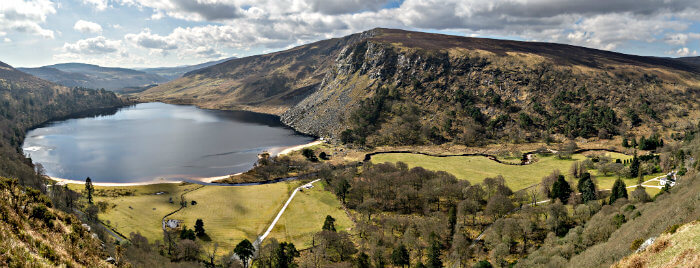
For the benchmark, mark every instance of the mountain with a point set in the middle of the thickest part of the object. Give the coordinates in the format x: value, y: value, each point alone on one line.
x: 172, y: 73
x: 396, y: 87
x: 93, y: 76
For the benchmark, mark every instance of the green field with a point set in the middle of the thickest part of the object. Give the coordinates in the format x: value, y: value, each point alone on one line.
x: 230, y: 214
x: 141, y: 212
x: 305, y: 215
x: 476, y: 168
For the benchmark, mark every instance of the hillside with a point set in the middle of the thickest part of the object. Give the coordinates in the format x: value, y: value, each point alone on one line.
x: 93, y: 76
x: 172, y: 73
x: 676, y: 249
x: 33, y: 234
x: 435, y: 88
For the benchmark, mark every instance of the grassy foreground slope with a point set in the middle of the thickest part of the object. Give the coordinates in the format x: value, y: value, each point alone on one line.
x: 681, y: 206
x: 679, y: 249
x: 32, y: 234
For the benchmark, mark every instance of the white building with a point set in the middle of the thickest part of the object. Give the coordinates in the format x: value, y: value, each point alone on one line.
x: 670, y: 179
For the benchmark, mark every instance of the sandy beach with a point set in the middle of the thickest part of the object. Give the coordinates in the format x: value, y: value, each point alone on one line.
x: 159, y: 181
x: 299, y: 147
x: 112, y: 184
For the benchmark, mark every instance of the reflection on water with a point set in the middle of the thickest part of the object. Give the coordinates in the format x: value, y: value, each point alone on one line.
x: 155, y: 140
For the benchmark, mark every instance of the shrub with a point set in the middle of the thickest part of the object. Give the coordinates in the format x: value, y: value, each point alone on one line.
x: 672, y: 229
x: 636, y: 244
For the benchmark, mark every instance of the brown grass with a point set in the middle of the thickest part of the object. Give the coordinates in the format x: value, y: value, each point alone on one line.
x: 659, y: 245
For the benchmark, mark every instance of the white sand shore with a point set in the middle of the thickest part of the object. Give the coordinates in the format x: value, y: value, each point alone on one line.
x: 159, y: 181
x: 112, y: 184
x: 299, y: 147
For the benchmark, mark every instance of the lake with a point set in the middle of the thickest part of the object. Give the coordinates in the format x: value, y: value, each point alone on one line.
x: 153, y: 141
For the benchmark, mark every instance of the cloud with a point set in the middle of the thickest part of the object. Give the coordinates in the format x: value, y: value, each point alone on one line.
x: 93, y: 46
x: 680, y: 38
x: 87, y: 27
x: 682, y: 52
x: 97, y: 4
x: 194, y: 10
x: 146, y: 39
x: 26, y: 16
x: 275, y: 24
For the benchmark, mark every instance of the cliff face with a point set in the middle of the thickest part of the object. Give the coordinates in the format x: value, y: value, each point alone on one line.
x: 449, y: 83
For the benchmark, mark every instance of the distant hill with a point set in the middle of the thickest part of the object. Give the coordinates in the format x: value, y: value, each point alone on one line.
x: 396, y: 87
x: 690, y: 60
x: 172, y: 73
x: 93, y: 76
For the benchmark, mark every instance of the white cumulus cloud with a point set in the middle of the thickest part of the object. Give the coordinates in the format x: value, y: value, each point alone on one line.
x: 87, y: 27
x: 26, y: 16
x: 95, y: 45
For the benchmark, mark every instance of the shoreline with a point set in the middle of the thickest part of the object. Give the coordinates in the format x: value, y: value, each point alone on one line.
x: 288, y: 150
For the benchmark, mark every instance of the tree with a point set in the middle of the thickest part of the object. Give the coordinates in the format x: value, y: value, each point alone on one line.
x: 587, y: 188
x: 499, y: 205
x: 434, y: 260
x: 557, y: 216
x: 323, y: 156
x: 211, y: 254
x: 309, y: 154
x: 244, y: 250
x: 561, y: 189
x: 284, y: 255
x: 342, y: 189
x: 619, y: 190
x: 400, y: 257
x: 452, y: 219
x: 625, y: 142
x: 329, y: 224
x: 91, y: 213
x: 186, y: 233
x: 199, y: 227
x: 89, y: 189
x: 470, y: 207
x: 640, y: 195
x: 634, y: 165
x: 187, y: 250
x: 368, y: 206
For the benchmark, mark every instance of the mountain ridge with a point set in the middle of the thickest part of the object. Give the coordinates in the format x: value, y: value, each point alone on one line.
x: 316, y: 87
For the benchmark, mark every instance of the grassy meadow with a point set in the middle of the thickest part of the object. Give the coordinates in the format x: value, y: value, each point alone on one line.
x: 476, y: 168
x: 142, y: 210
x: 230, y: 214
x: 306, y: 214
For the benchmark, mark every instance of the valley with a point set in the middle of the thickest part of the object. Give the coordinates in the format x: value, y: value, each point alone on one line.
x: 424, y: 149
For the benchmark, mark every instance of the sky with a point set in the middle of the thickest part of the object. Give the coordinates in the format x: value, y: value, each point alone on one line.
x: 159, y: 33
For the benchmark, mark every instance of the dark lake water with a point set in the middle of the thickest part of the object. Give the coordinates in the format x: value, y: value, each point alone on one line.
x: 151, y: 141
